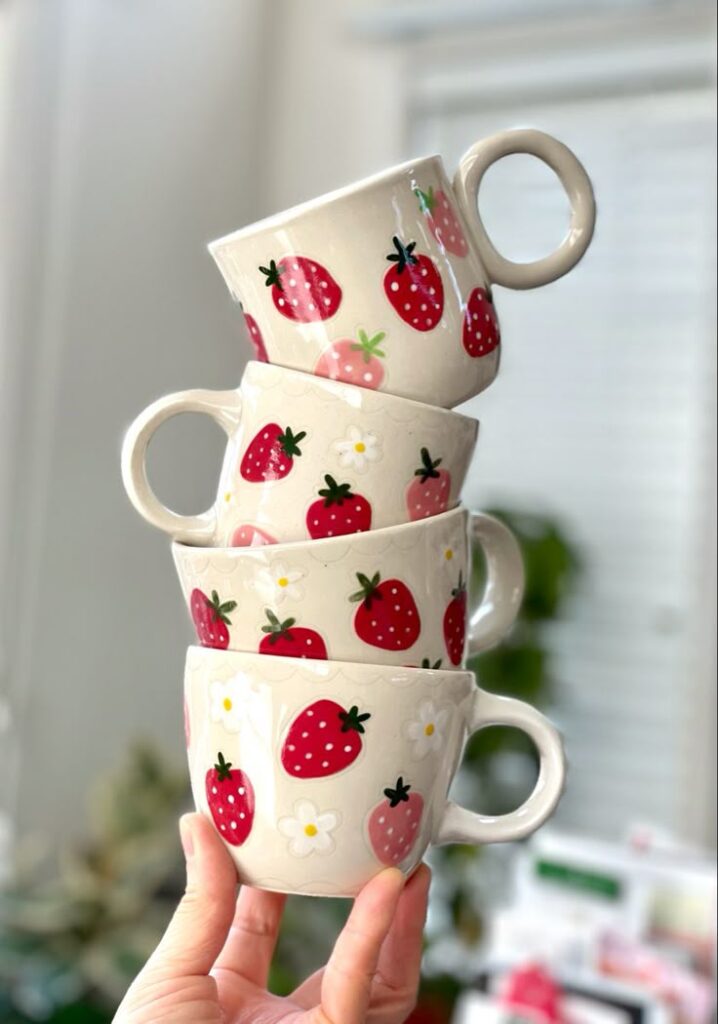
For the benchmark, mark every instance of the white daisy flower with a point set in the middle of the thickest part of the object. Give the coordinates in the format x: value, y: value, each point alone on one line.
x: 279, y: 583
x: 449, y: 555
x: 427, y: 730
x: 358, y: 449
x: 309, y: 831
x: 226, y: 704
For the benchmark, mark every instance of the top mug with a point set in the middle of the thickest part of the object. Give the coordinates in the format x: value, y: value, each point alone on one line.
x: 387, y: 283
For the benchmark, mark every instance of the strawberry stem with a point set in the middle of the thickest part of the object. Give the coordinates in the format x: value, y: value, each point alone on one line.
x: 290, y: 442
x: 334, y: 493
x: 352, y: 720
x: 369, y: 346
x: 459, y: 590
x: 427, y: 200
x: 369, y: 589
x: 427, y: 470
x: 273, y: 274
x: 399, y: 794
x: 222, y: 767
x: 404, y: 254
x: 220, y: 611
x: 276, y: 629
x: 426, y: 663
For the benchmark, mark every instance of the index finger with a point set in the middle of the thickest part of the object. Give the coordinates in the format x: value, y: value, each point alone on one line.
x: 347, y: 982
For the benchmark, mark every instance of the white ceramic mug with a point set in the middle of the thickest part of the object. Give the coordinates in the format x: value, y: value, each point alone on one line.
x: 319, y: 774
x: 308, y: 458
x: 387, y: 283
x: 396, y: 596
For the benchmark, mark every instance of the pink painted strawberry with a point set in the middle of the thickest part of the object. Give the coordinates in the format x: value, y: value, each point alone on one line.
x: 302, y: 289
x: 428, y: 494
x: 455, y: 623
x: 255, y: 337
x: 413, y: 287
x: 211, y: 618
x: 442, y: 220
x: 387, y: 616
x: 290, y: 641
x: 248, y: 536
x: 481, y: 333
x: 394, y: 824
x: 230, y: 796
x: 271, y: 454
x: 323, y: 740
x: 338, y: 511
x: 356, y: 362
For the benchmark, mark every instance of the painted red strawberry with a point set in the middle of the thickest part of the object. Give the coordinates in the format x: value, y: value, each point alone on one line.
x: 302, y: 289
x: 211, y: 618
x: 339, y: 511
x: 356, y: 362
x: 271, y: 454
x: 482, y: 333
x: 413, y: 287
x: 230, y: 796
x: 248, y: 536
x: 455, y: 623
x: 290, y: 641
x: 322, y: 740
x: 428, y: 494
x: 394, y: 824
x: 442, y: 220
x: 387, y: 616
x: 255, y: 337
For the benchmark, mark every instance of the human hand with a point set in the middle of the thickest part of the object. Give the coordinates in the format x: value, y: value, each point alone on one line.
x: 212, y: 965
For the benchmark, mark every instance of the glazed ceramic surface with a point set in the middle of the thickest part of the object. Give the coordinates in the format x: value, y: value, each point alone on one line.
x: 309, y: 458
x: 395, y: 596
x: 318, y: 775
x: 387, y: 283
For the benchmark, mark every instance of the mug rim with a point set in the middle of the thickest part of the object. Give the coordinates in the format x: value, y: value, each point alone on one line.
x: 422, y: 407
x: 299, y: 210
x: 323, y: 543
x: 317, y: 666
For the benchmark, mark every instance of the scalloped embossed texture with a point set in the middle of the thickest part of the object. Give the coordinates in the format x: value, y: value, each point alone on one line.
x: 349, y: 233
x: 267, y: 694
x: 313, y: 582
x: 336, y: 418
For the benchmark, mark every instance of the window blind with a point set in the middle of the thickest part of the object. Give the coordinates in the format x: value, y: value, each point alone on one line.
x: 603, y: 416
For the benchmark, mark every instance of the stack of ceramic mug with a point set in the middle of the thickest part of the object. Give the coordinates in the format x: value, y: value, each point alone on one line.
x: 327, y: 702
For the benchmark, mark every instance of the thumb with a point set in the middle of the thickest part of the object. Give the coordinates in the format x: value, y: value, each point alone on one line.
x: 200, y: 925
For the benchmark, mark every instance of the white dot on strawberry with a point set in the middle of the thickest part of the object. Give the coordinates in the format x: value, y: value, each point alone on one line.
x: 233, y: 824
x: 329, y: 746
x: 230, y: 799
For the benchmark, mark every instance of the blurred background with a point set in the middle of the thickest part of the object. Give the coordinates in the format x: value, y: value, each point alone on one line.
x: 132, y: 132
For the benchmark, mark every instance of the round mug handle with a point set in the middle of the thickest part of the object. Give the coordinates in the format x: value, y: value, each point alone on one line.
x: 467, y: 181
x: 225, y: 409
x: 459, y: 825
x: 505, y: 580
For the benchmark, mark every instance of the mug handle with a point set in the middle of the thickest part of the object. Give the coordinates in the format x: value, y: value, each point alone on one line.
x: 459, y: 825
x: 467, y: 181
x: 505, y: 580
x: 225, y: 409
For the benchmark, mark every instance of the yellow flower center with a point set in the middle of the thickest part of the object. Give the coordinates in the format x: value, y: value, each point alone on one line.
x: 282, y: 581
x: 430, y: 729
x: 228, y: 496
x: 310, y: 830
x: 227, y: 704
x: 360, y: 447
x: 448, y: 554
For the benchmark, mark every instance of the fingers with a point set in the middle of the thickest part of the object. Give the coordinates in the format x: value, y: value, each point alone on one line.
x: 198, y: 930
x: 347, y: 982
x: 399, y: 967
x: 252, y: 938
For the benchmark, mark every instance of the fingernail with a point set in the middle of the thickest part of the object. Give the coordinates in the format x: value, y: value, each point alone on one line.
x: 186, y: 838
